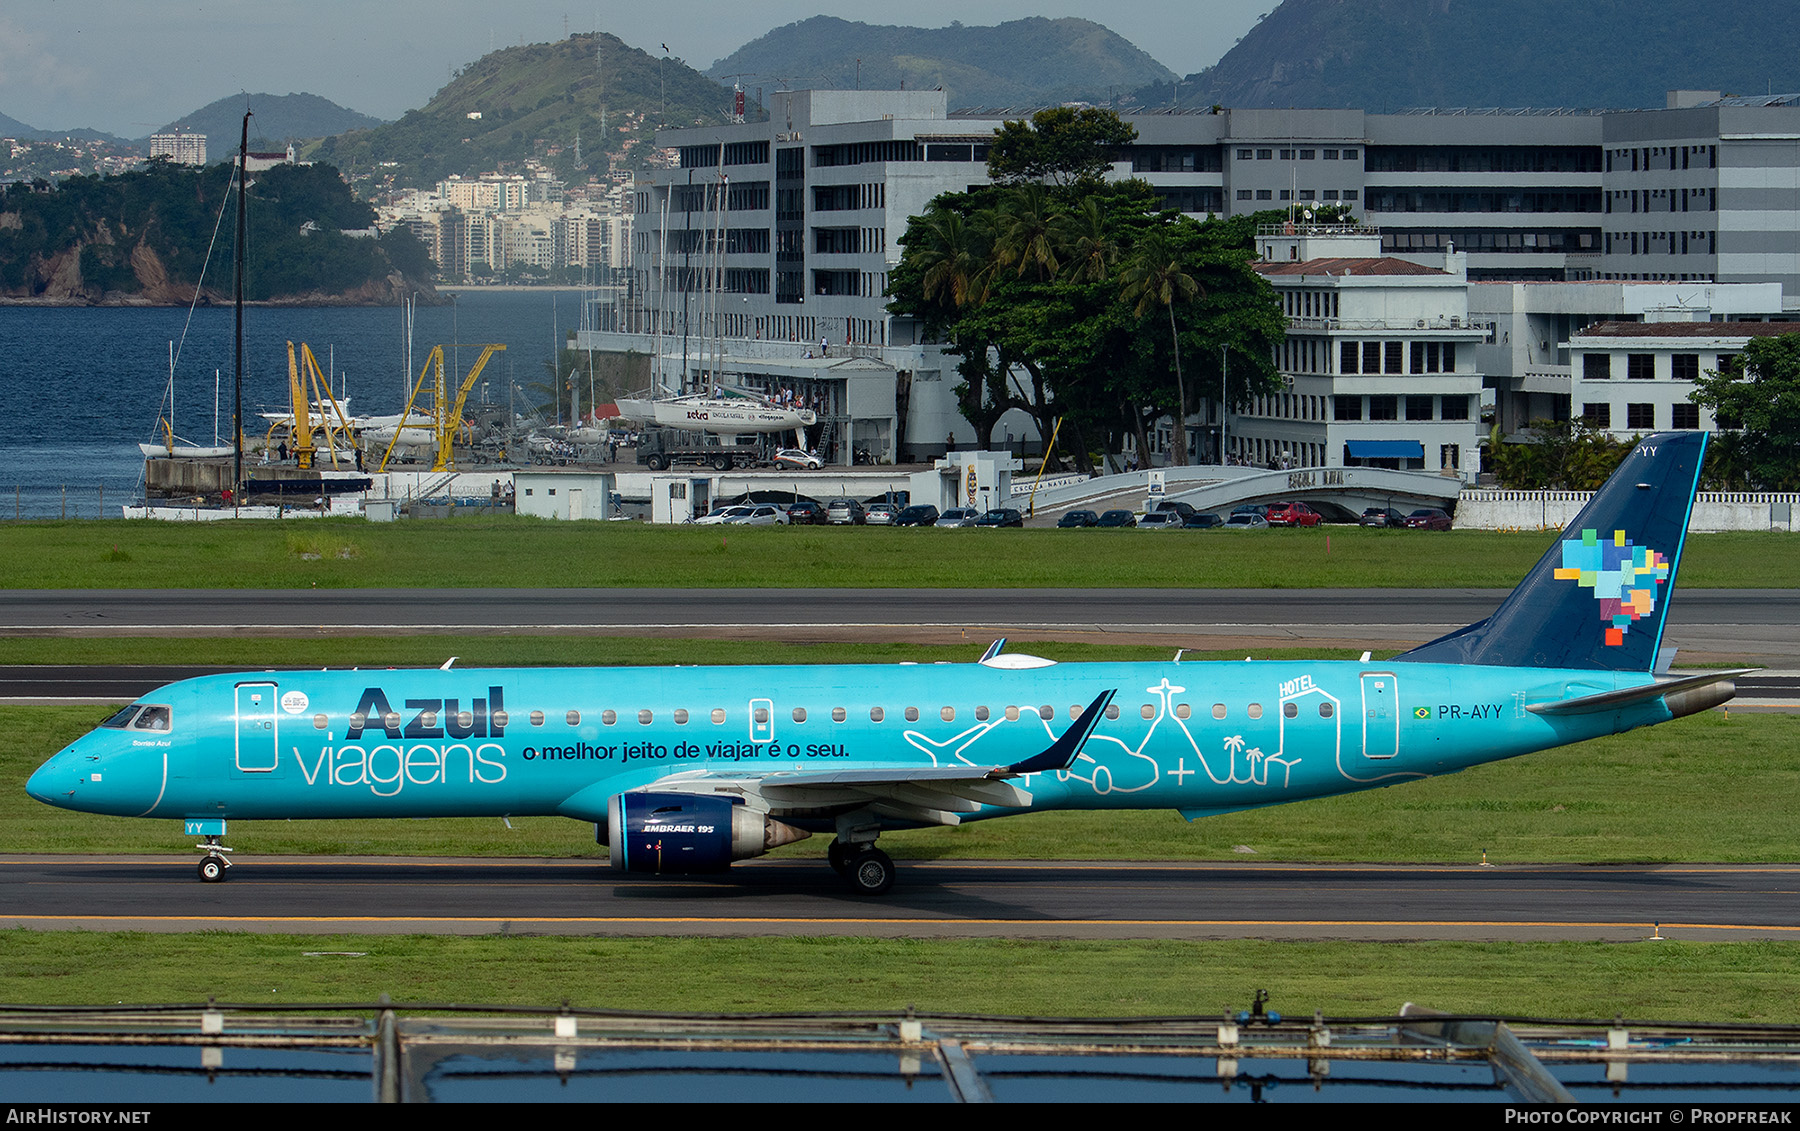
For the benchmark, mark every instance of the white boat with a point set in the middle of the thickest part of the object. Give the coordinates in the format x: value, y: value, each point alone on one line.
x: 725, y: 413
x: 185, y: 451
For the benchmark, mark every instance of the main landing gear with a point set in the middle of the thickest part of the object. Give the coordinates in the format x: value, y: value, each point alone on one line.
x: 867, y: 869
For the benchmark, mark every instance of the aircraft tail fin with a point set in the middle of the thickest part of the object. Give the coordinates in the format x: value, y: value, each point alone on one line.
x: 1598, y: 599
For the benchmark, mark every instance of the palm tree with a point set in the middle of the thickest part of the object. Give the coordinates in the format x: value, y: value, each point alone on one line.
x: 1154, y: 277
x: 956, y: 259
x: 1025, y: 232
x: 1091, y: 251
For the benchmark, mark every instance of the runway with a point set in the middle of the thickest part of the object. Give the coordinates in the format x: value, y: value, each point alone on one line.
x: 931, y: 899
x: 1729, y: 627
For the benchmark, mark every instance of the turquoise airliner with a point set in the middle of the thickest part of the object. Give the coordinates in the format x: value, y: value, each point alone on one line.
x: 689, y: 769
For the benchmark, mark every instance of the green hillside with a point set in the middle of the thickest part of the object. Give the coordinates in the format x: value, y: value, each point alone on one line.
x: 276, y: 119
x: 1029, y: 62
x: 532, y: 101
x: 1389, y: 55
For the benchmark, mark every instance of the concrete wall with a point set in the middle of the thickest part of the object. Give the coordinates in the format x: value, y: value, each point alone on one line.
x: 1552, y: 510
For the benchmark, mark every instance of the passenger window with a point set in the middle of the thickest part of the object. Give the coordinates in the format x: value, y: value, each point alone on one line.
x: 1218, y: 710
x: 428, y: 719
x: 500, y: 719
x: 1112, y: 710
x: 912, y: 714
x: 681, y: 717
x: 876, y: 714
x: 761, y: 716
x: 320, y: 722
x: 948, y: 714
x: 1182, y: 710
x: 1074, y: 710
x: 718, y: 715
x: 391, y: 720
x: 465, y: 720
x: 981, y: 714
x: 838, y: 715
x: 1290, y: 709
x: 644, y: 718
x: 1148, y: 710
x: 1254, y: 710
x: 799, y: 714
x: 1012, y: 714
x: 573, y: 718
x: 1046, y: 712
x: 358, y: 720
x: 607, y: 717
x: 537, y: 718
x: 1324, y: 710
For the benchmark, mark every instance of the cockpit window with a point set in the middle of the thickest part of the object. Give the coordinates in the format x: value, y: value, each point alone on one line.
x: 123, y: 719
x: 153, y: 718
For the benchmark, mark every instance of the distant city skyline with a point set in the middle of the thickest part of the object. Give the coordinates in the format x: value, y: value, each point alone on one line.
x: 128, y: 68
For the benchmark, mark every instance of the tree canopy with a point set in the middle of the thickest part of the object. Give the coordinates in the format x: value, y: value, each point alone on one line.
x: 1755, y: 401
x: 1062, y: 145
x: 1027, y: 285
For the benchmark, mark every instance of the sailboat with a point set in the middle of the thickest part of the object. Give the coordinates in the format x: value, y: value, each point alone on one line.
x: 171, y: 447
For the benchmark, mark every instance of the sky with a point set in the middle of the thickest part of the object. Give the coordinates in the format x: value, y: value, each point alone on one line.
x: 130, y: 66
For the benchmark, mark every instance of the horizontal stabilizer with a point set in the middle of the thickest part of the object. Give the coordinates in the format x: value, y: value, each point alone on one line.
x: 1683, y: 696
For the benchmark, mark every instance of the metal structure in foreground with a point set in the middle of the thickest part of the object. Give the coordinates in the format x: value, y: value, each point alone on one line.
x: 420, y: 1053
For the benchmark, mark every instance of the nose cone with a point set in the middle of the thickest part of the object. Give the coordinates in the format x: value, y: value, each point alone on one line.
x: 102, y: 773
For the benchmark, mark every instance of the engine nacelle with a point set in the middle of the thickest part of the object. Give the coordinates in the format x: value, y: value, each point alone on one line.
x: 684, y: 832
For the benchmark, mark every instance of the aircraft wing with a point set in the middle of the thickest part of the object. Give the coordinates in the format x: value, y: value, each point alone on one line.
x: 936, y: 795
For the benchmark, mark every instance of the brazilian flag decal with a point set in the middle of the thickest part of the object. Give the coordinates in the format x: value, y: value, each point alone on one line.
x: 1421, y: 712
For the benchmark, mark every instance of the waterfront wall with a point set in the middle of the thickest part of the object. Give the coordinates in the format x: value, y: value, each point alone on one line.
x: 1552, y: 510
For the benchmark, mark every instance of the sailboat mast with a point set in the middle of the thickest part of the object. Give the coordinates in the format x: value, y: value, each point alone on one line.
x: 237, y: 408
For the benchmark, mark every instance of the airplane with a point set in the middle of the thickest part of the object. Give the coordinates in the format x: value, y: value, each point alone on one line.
x: 689, y: 769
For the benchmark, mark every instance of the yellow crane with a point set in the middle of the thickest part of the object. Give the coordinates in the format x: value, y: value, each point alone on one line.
x: 446, y: 417
x: 309, y: 387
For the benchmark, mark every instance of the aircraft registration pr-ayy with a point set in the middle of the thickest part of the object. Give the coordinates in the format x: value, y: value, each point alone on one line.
x: 689, y: 769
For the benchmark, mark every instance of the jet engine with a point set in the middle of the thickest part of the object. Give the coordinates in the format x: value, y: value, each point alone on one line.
x: 684, y: 832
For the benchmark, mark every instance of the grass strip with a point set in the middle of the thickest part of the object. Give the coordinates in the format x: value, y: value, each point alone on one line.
x: 522, y: 552
x: 1743, y: 982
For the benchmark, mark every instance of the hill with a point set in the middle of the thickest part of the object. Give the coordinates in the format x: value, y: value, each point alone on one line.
x: 142, y: 239
x: 532, y: 101
x: 1030, y: 62
x: 276, y: 120
x: 1386, y: 55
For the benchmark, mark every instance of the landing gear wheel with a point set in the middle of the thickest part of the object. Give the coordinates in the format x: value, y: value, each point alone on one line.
x: 838, y: 856
x: 871, y: 872
x: 212, y: 869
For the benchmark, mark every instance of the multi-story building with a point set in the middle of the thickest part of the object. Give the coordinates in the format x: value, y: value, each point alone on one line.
x: 769, y: 238
x: 1637, y: 377
x: 179, y: 146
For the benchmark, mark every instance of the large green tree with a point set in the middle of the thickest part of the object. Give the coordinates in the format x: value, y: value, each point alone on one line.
x: 1755, y: 401
x: 1060, y: 146
x: 1028, y: 285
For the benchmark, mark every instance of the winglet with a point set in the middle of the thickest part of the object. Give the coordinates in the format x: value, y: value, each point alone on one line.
x: 993, y: 650
x: 1061, y: 753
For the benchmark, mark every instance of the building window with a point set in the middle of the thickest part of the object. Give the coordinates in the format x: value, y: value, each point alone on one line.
x: 1265, y: 155
x: 1596, y: 367
x: 1246, y: 154
x: 1418, y: 408
x: 1396, y: 358
x: 1640, y: 366
x: 1346, y: 408
x: 1347, y: 352
x: 1384, y: 408
x: 1306, y: 155
x: 1640, y: 417
x: 1454, y: 408
x: 1265, y: 194
x: 1685, y: 366
x: 1684, y: 416
x: 1244, y: 194
x: 1597, y: 415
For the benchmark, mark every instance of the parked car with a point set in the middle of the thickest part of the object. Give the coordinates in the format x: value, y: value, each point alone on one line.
x: 958, y: 516
x: 919, y: 514
x: 845, y: 512
x: 1261, y: 510
x: 805, y: 512
x: 1001, y: 516
x: 1117, y: 518
x: 723, y: 514
x: 1077, y: 518
x: 1245, y: 520
x: 1160, y: 520
x: 880, y: 514
x: 1185, y: 510
x: 1381, y: 516
x: 1292, y: 514
x: 761, y: 514
x: 1428, y: 518
x: 1206, y: 521
x: 798, y: 458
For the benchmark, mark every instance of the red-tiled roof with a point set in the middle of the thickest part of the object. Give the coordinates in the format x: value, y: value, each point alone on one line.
x: 1351, y: 266
x: 1689, y: 329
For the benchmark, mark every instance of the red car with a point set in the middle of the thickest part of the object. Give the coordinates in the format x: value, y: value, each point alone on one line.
x: 1428, y: 519
x: 1292, y: 514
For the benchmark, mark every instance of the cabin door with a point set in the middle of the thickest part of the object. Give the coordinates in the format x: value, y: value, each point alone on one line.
x: 1380, y: 715
x: 258, y: 749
